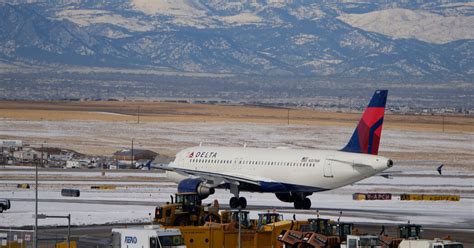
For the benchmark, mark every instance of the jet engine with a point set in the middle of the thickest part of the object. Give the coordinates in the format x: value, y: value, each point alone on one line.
x: 195, y: 186
x: 292, y: 196
x: 285, y: 197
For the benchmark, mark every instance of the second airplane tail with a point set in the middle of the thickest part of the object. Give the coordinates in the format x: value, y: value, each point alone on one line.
x: 366, y: 136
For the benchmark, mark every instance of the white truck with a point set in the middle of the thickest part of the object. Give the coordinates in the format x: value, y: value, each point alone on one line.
x: 427, y: 243
x: 152, y: 236
x: 71, y: 164
x: 4, y: 204
x: 366, y: 241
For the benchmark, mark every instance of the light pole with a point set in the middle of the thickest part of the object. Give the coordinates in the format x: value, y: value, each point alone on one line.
x: 131, y: 158
x: 240, y: 228
x: 36, y: 202
x: 138, y: 114
x: 68, y: 217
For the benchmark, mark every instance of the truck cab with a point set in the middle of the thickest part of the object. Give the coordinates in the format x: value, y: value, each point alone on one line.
x: 233, y: 216
x: 4, y: 204
x: 409, y: 231
x: 147, y: 237
x: 425, y: 243
x: 366, y: 241
x: 268, y: 218
x: 318, y: 225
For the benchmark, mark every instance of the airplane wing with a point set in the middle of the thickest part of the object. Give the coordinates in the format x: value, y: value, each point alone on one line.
x: 215, y: 179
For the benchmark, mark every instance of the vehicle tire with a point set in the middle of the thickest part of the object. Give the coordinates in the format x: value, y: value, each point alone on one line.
x: 242, y: 202
x: 1, y: 208
x: 298, y: 204
x: 234, y: 202
x: 306, y: 203
x: 181, y: 221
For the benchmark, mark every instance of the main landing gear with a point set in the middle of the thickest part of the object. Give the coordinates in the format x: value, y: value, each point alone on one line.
x: 236, y: 201
x: 304, y: 203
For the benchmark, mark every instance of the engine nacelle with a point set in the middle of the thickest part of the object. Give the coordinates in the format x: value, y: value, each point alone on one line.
x: 291, y: 196
x: 285, y: 197
x: 196, y: 186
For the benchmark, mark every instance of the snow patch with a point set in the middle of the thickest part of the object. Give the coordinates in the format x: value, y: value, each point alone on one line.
x: 302, y: 39
x: 242, y: 18
x: 421, y: 25
x: 167, y: 7
x: 83, y: 17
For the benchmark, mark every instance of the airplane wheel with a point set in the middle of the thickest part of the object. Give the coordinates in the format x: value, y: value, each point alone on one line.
x: 298, y: 204
x: 234, y: 202
x: 242, y: 202
x: 306, y: 203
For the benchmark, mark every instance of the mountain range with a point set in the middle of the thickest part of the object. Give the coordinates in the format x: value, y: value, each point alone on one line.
x: 387, y: 41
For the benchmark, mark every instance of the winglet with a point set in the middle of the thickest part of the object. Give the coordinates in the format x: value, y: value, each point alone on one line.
x: 366, y: 136
x: 440, y: 168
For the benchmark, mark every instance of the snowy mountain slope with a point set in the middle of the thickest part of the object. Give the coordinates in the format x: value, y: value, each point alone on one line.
x: 421, y: 25
x: 292, y: 38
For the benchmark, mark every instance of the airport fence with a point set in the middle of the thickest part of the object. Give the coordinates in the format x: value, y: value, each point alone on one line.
x: 18, y: 238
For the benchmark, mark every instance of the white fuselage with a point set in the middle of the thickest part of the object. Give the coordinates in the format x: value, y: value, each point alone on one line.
x: 281, y: 169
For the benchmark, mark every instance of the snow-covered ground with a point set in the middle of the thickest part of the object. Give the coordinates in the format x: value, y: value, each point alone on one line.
x: 104, y: 138
x: 137, y: 193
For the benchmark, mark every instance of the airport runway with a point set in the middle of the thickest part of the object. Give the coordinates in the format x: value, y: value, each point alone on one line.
x: 440, y: 218
x: 382, y: 214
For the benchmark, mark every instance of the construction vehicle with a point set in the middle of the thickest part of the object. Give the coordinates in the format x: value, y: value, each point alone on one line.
x: 405, y: 231
x: 319, y: 232
x: 261, y: 233
x: 268, y: 218
x: 231, y: 218
x: 324, y: 233
x: 186, y: 209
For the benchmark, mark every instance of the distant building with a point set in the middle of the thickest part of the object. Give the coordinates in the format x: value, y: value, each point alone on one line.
x: 57, y: 154
x: 50, y: 155
x: 29, y: 155
x: 11, y: 144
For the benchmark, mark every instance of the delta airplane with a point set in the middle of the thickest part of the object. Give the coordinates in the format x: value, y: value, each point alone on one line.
x: 291, y: 174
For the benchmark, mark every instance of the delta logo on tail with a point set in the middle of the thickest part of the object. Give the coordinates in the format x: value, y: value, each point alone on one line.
x: 366, y: 137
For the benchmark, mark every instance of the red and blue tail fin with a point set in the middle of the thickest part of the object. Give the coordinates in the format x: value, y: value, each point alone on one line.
x: 366, y: 137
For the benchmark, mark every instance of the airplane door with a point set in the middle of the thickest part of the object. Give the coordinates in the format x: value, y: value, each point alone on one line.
x: 328, y: 166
